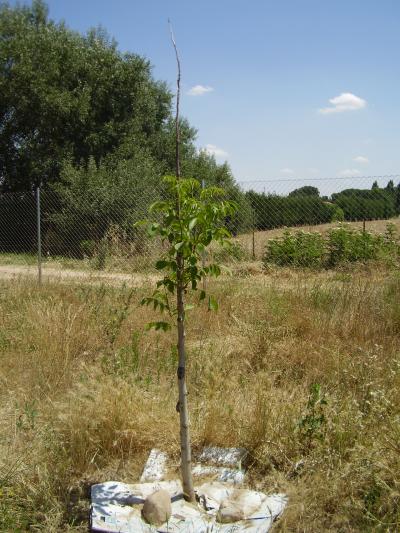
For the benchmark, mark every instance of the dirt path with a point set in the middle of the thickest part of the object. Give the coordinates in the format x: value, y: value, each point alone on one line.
x: 10, y: 272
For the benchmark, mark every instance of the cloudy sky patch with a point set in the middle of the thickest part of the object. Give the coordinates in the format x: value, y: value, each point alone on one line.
x: 343, y: 102
x: 199, y: 90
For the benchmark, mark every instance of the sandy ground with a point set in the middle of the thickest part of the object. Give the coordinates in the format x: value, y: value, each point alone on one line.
x: 10, y: 272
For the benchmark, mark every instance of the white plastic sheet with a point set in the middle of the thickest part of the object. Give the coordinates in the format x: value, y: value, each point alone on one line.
x: 116, y: 508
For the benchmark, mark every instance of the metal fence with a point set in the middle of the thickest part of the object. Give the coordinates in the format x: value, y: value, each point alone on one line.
x: 43, y: 230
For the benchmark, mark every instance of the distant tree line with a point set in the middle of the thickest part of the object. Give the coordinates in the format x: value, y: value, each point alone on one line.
x: 305, y: 206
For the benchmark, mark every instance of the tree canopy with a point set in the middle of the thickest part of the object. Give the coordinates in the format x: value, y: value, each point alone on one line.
x: 307, y: 190
x: 70, y: 96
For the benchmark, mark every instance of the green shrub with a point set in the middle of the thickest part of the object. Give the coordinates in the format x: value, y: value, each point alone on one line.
x: 88, y: 247
x: 100, y: 257
x: 346, y: 245
x: 339, y: 246
x: 301, y: 249
x: 338, y: 214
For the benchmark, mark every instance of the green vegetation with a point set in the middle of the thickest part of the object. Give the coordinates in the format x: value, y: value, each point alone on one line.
x: 367, y: 204
x: 338, y: 246
x: 93, y: 127
x: 273, y: 211
x: 305, y: 206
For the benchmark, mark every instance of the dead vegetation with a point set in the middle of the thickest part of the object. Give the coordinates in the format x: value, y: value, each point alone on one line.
x: 301, y: 368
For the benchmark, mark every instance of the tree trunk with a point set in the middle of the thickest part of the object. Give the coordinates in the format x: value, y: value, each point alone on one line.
x: 186, y: 454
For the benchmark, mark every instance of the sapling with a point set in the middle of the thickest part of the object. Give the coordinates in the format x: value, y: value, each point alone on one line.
x: 187, y: 231
x: 187, y: 221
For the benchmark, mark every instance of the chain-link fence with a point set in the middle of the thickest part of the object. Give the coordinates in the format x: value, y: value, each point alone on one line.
x: 96, y: 232
x: 366, y: 203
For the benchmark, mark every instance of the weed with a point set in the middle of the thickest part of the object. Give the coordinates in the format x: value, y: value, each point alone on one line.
x: 312, y: 423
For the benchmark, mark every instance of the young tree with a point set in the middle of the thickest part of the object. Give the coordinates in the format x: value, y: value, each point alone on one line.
x: 188, y: 221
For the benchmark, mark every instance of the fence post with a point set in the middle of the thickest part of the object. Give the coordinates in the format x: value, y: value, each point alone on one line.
x: 39, y: 236
x: 254, y: 235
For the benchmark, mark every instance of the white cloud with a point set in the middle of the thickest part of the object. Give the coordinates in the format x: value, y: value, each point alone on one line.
x: 349, y: 173
x: 287, y: 171
x: 199, y: 90
x: 344, y: 102
x: 214, y: 150
x: 361, y: 159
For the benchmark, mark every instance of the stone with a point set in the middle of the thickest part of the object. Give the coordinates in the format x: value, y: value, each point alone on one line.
x: 229, y: 512
x: 157, y: 508
x: 246, y: 500
x: 240, y: 505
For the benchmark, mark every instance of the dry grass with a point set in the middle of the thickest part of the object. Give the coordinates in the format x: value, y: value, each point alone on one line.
x: 86, y: 393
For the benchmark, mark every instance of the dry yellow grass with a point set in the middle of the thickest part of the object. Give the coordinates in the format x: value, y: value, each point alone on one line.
x: 86, y: 392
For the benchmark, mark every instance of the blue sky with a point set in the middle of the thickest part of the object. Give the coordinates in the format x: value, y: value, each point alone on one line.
x: 270, y: 67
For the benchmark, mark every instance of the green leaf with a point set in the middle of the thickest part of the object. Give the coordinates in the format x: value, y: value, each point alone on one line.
x: 161, y: 264
x: 163, y: 326
x: 158, y: 206
x: 192, y: 223
x: 189, y: 307
x: 202, y: 295
x: 140, y: 223
x: 178, y: 245
x: 212, y: 304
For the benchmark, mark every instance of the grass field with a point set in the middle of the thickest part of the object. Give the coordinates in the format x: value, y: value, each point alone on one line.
x: 301, y: 368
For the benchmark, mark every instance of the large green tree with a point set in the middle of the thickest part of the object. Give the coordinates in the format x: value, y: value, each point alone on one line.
x: 93, y: 127
x: 66, y: 95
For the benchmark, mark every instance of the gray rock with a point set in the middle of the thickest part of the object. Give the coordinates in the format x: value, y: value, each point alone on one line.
x: 248, y: 501
x: 229, y: 512
x: 157, y: 508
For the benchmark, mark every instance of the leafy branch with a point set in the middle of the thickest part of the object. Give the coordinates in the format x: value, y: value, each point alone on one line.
x: 187, y: 234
